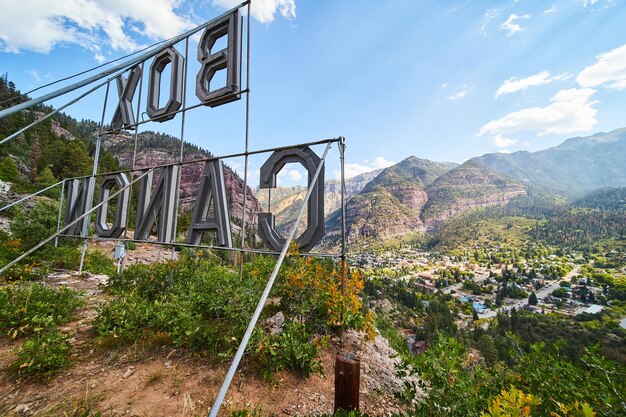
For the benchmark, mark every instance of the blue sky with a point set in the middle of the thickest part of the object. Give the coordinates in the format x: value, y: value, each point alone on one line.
x: 443, y: 80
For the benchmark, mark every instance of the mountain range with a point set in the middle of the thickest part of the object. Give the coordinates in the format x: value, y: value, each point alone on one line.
x: 416, y: 195
x: 413, y: 196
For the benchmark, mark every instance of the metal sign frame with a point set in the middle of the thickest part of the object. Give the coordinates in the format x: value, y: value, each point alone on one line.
x: 78, y: 193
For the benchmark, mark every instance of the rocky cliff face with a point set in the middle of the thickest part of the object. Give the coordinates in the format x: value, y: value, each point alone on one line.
x: 468, y: 186
x: 156, y: 149
x: 390, y: 204
x: 416, y: 195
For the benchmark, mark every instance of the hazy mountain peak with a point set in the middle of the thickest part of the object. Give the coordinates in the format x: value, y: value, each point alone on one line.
x: 576, y: 166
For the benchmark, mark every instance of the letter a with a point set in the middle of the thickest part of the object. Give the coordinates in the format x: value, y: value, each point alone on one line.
x: 212, y: 187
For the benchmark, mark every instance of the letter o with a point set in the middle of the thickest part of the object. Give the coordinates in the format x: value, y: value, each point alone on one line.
x: 315, y: 230
x: 175, y: 101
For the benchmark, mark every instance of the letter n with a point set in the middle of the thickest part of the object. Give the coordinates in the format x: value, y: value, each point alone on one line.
x: 163, y: 200
x: 75, y: 205
x: 212, y: 188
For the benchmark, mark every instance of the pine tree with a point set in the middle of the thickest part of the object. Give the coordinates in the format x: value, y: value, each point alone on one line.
x: 532, y: 299
x: 46, y: 179
x: 8, y: 170
x: 487, y: 348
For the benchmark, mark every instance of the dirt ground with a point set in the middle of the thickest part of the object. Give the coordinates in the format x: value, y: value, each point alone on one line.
x: 166, y: 382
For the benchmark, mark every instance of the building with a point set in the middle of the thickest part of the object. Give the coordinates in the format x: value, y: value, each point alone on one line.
x: 593, y: 309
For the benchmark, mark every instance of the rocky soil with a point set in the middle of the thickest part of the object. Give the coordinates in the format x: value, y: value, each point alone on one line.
x: 140, y: 381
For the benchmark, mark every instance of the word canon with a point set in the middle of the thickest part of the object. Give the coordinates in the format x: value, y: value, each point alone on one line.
x: 210, y: 212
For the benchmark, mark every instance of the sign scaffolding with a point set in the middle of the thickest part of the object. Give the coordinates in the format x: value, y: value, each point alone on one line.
x: 157, y: 200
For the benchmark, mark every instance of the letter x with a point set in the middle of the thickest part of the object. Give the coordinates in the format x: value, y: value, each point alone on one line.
x: 124, y: 115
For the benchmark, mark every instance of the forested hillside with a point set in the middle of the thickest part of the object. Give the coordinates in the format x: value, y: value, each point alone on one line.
x: 57, y: 148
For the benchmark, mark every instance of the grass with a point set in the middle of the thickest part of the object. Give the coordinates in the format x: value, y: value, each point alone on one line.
x: 82, y: 406
x: 154, y: 377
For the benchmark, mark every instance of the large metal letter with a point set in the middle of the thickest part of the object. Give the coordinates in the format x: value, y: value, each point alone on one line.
x: 213, y: 62
x: 166, y: 56
x: 76, y: 202
x: 212, y: 187
x: 102, y: 227
x: 315, y: 219
x: 124, y: 115
x: 163, y: 201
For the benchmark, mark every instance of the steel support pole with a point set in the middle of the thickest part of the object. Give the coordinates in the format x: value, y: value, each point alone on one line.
x: 92, y: 182
x: 182, y: 155
x: 8, y: 206
x: 120, y: 265
x: 259, y: 308
x: 342, y: 150
x: 246, y: 156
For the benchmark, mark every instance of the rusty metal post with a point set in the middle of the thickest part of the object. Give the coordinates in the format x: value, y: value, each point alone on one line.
x: 347, y: 381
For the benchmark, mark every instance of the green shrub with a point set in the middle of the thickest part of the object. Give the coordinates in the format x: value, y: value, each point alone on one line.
x: 148, y: 281
x: 61, y: 257
x: 125, y: 318
x: 8, y: 170
x: 36, y: 225
x: 246, y: 413
x: 206, y: 309
x: 43, y: 354
x: 23, y: 309
x: 131, y: 245
x: 23, y: 272
x: 97, y: 262
x: 292, y: 349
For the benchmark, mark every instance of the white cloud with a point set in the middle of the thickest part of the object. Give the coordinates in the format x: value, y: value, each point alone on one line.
x: 294, y: 175
x: 502, y: 142
x: 513, y: 85
x: 445, y: 85
x: 511, y: 27
x: 461, y: 93
x: 33, y: 73
x: 95, y: 25
x: 608, y: 71
x: 99, y: 58
x: 589, y: 2
x: 570, y: 111
x: 39, y: 26
x: 264, y: 10
x: 492, y: 14
x: 354, y: 169
x: 550, y: 10
x: 458, y: 95
x: 289, y: 174
x: 380, y: 162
